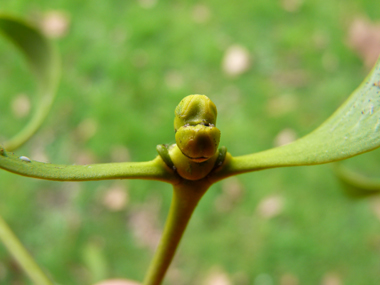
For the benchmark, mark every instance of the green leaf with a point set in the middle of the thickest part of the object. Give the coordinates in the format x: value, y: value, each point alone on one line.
x: 353, y: 129
x: 155, y: 169
x: 44, y: 63
x: 355, y: 184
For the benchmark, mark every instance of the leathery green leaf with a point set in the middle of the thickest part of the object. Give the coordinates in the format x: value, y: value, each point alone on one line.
x: 155, y: 169
x: 44, y: 63
x: 353, y: 129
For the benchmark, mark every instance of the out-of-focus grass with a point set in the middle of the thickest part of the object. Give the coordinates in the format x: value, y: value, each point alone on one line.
x: 125, y: 68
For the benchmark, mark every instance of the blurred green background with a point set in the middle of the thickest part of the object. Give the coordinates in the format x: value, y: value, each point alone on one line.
x: 274, y: 69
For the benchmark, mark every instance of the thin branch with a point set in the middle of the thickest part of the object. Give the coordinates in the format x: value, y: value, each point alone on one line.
x: 186, y: 196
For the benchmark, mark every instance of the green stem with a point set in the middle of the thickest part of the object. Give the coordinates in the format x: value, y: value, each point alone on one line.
x: 186, y: 196
x: 22, y: 256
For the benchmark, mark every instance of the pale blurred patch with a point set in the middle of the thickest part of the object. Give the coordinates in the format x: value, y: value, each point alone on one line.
x: 241, y: 278
x: 3, y: 272
x: 39, y: 145
x: 174, y: 80
x: 74, y: 220
x: 140, y: 58
x: 263, y: 279
x: 364, y: 38
x: 201, y: 13
x: 320, y: 39
x: 120, y: 153
x: 80, y: 273
x: 59, y: 203
x: 217, y: 277
x: 86, y: 129
x: 55, y: 24
x: 230, y: 96
x: 289, y: 279
x: 282, y: 104
x: 62, y: 200
x: 147, y: 4
x: 120, y: 35
x: 118, y: 282
x: 20, y: 105
x: 145, y: 225
x: 291, y: 5
x: 232, y: 93
x: 285, y: 137
x: 84, y: 157
x: 375, y: 206
x: 330, y: 61
x: 232, y: 192
x: 174, y: 276
x: 270, y: 206
x: 116, y: 197
x: 236, y: 60
x: 38, y: 153
x: 203, y: 86
x: 331, y: 279
x: 291, y: 78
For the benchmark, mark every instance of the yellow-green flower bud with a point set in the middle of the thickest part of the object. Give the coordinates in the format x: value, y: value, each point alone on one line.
x: 194, y: 124
x: 189, y: 169
x: 199, y: 143
x: 194, y: 110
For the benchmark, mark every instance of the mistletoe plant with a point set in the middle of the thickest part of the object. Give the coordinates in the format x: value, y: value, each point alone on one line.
x: 194, y: 163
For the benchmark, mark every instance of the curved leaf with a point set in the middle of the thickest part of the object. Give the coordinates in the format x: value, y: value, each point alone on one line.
x: 154, y: 170
x: 44, y: 63
x: 353, y: 129
x: 356, y: 185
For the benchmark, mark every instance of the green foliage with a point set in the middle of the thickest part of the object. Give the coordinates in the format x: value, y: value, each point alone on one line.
x: 316, y: 233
